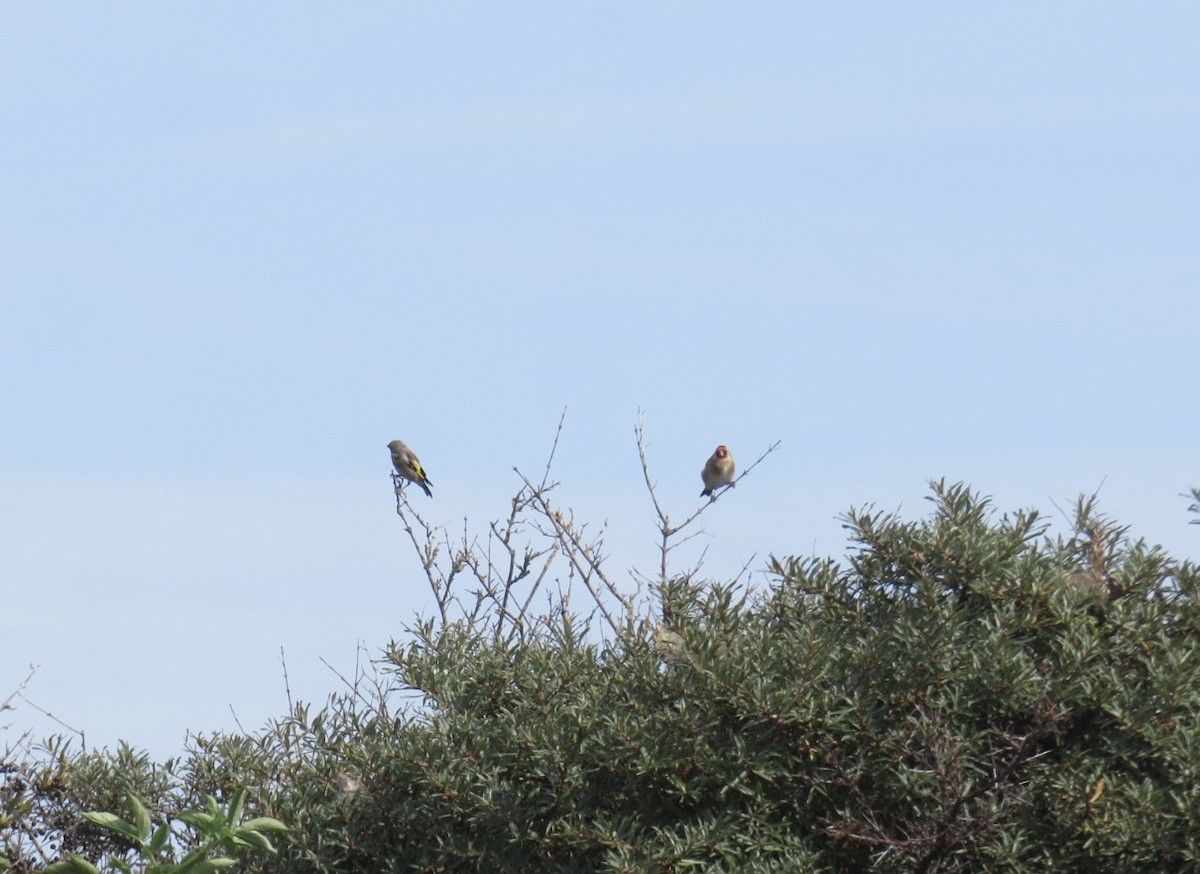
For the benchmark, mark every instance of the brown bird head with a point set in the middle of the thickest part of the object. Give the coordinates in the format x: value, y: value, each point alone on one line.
x: 722, y: 451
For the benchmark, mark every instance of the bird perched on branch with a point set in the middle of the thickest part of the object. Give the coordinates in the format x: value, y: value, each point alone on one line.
x: 409, y: 466
x: 718, y: 471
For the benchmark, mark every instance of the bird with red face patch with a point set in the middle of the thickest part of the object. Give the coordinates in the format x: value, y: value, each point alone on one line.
x: 718, y: 471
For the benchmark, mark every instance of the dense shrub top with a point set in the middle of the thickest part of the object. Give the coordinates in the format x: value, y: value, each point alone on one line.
x: 962, y: 693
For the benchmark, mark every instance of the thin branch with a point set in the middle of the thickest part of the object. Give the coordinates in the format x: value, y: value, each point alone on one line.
x: 515, y: 570
x: 287, y: 686
x: 6, y: 704
x: 745, y: 567
x: 550, y: 556
x: 49, y: 715
x: 427, y: 551
x: 237, y: 721
x: 573, y: 548
x: 553, y: 448
x: 353, y: 687
x: 640, y: 431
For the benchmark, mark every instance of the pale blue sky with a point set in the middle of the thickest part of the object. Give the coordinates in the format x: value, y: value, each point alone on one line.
x: 242, y: 247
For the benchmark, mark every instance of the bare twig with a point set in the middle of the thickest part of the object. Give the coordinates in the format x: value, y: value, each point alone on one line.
x: 745, y: 568
x: 553, y: 448
x: 508, y: 574
x: 428, y: 548
x: 351, y: 686
x: 49, y: 715
x: 237, y: 721
x: 515, y: 569
x: 6, y: 704
x: 585, y: 558
x: 287, y: 686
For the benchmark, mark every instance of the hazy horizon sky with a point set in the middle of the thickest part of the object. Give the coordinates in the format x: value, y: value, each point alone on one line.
x: 243, y: 247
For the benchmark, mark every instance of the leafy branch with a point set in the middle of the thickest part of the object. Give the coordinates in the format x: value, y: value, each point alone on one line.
x: 222, y: 835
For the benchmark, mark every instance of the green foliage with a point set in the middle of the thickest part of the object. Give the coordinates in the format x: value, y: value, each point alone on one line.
x: 44, y: 795
x: 962, y: 693
x: 217, y: 832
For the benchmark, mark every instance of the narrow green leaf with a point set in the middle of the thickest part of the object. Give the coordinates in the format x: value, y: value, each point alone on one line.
x: 254, y: 839
x: 204, y: 822
x: 210, y: 865
x: 265, y: 824
x: 159, y: 839
x: 141, y: 817
x: 236, y: 807
x: 74, y: 863
x: 189, y: 863
x: 112, y: 822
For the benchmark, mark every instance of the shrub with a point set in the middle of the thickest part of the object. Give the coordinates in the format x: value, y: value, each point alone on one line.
x: 963, y: 692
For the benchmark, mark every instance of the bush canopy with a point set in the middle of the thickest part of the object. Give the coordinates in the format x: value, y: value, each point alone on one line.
x: 963, y: 692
